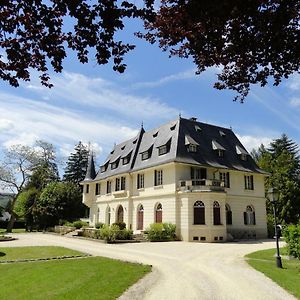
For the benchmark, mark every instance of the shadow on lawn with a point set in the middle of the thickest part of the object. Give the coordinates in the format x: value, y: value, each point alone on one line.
x: 2, y: 254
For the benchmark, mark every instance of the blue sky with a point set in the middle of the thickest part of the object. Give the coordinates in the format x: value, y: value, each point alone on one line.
x: 93, y: 103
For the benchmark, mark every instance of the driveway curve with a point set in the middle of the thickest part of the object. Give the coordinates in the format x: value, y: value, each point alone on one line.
x: 180, y: 270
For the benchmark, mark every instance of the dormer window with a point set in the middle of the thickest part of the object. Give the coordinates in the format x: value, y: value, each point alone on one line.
x: 114, y: 165
x: 221, y: 153
x: 243, y: 154
x: 134, y: 141
x: 126, y: 160
x: 192, y: 148
x: 145, y: 155
x: 122, y: 148
x: 220, y: 150
x: 173, y: 127
x: 155, y: 134
x: 104, y: 168
x: 162, y: 150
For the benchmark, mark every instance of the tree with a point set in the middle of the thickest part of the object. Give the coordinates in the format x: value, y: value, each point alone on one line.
x: 77, y: 164
x: 58, y: 201
x: 281, y: 160
x: 251, y: 40
x: 15, y: 170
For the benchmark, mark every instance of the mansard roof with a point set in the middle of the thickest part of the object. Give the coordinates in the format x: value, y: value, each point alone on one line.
x: 177, y: 135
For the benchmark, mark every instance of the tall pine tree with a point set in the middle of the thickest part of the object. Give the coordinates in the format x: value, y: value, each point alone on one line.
x: 77, y: 164
x: 282, y: 161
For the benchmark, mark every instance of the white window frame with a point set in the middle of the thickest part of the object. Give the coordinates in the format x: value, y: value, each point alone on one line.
x: 192, y: 148
x: 249, y: 182
x: 224, y: 178
x: 159, y: 177
x: 140, y: 181
x: 162, y: 150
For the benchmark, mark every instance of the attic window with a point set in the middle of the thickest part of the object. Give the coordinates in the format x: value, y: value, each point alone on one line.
x: 134, y: 142
x: 192, y: 148
x: 155, y: 134
x: 220, y: 153
x: 145, y: 155
x: 122, y: 148
x: 241, y: 152
x: 112, y: 152
x: 173, y: 127
x: 222, y: 133
x: 243, y: 157
x: 198, y: 128
x: 114, y: 165
x: 126, y: 159
x: 103, y: 168
x: 162, y: 150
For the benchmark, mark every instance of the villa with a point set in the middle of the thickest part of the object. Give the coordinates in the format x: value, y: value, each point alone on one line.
x: 192, y: 174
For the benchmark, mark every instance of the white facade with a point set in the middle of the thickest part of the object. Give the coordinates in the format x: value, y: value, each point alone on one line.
x: 196, y: 207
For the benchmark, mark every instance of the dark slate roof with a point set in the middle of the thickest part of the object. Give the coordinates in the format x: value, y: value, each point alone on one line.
x: 178, y: 134
x: 90, y: 171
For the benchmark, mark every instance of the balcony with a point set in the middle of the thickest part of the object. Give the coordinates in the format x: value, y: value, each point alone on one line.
x: 198, y: 185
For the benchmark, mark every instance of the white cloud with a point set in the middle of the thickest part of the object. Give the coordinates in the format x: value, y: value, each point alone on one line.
x: 102, y: 94
x: 294, y: 82
x: 295, y: 102
x: 34, y: 120
x: 253, y: 142
x: 6, y: 125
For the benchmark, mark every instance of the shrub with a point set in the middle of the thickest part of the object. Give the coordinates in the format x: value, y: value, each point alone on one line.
x: 113, y: 233
x: 79, y: 224
x: 292, y: 238
x: 99, y: 225
x: 161, y: 232
x: 121, y: 225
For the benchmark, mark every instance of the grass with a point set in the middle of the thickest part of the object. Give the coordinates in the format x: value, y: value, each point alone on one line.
x: 76, y: 279
x: 35, y: 252
x: 288, y: 277
x: 15, y: 230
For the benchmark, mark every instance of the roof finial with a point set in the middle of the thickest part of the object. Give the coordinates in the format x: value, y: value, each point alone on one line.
x: 179, y: 115
x: 142, y: 125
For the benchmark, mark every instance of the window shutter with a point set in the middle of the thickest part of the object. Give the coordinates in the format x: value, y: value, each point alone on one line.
x: 192, y: 173
x: 254, y: 221
x: 245, y: 218
x: 228, y: 179
x: 252, y: 183
x: 155, y: 177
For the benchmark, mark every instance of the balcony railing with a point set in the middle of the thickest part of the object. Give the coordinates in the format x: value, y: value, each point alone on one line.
x: 201, y: 185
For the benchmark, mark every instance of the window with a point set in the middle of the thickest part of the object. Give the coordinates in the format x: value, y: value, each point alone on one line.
x: 140, y: 181
x: 114, y: 165
x: 228, y: 215
x: 249, y: 216
x: 220, y: 152
x: 145, y: 155
x: 120, y: 214
x: 140, y: 217
x: 217, y: 213
x: 108, y: 187
x: 249, y: 184
x: 125, y: 160
x: 198, y: 173
x: 103, y: 168
x: 117, y: 186
x: 158, y: 177
x: 97, y: 191
x: 243, y: 156
x: 199, y: 213
x: 162, y: 150
x: 158, y: 213
x: 123, y: 183
x: 87, y: 188
x: 225, y: 177
x: 192, y: 148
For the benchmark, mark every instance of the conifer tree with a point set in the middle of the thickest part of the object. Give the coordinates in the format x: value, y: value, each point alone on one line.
x: 77, y: 164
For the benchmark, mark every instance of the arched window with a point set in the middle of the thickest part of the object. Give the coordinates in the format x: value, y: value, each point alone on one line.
x: 140, y: 217
x: 249, y: 216
x: 199, y: 213
x: 158, y: 213
x: 228, y: 215
x: 217, y: 213
x: 120, y: 214
x: 108, y: 215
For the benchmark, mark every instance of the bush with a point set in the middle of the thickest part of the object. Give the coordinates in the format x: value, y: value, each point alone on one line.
x: 161, y: 232
x: 99, y: 225
x: 113, y: 233
x: 121, y: 225
x: 292, y: 238
x: 79, y: 224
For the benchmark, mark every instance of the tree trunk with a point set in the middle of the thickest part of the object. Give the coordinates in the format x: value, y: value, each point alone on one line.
x: 11, y: 222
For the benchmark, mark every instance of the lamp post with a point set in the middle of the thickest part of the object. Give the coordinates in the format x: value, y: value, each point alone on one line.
x: 273, y: 197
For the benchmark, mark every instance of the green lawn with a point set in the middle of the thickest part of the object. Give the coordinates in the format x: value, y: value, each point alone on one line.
x: 77, y: 279
x: 17, y: 230
x: 35, y: 252
x: 288, y: 277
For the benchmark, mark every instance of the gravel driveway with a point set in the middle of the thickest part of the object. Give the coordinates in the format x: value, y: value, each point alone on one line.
x: 180, y: 270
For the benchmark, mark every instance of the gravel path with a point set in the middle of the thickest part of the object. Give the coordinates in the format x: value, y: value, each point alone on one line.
x: 180, y: 270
